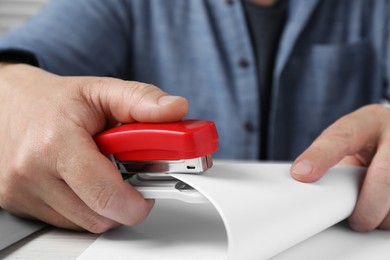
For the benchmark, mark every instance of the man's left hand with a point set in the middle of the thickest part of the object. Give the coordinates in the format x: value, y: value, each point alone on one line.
x: 360, y: 138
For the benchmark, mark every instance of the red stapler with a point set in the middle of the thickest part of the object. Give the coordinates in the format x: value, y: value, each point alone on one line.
x: 146, y: 154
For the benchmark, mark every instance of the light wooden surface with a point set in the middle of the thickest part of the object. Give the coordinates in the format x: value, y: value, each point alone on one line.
x: 48, y: 244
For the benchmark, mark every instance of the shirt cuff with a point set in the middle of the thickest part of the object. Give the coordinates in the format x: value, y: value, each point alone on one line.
x: 18, y: 56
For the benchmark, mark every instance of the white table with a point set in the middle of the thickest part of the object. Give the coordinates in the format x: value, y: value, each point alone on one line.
x: 52, y: 243
x: 48, y: 244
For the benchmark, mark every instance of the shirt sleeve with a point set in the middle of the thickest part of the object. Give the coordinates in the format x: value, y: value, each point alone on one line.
x: 83, y: 37
x: 386, y: 63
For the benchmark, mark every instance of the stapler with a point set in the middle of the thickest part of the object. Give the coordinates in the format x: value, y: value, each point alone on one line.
x: 147, y: 153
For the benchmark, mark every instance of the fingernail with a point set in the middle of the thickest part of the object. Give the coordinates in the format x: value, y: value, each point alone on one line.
x: 166, y: 100
x: 303, y: 167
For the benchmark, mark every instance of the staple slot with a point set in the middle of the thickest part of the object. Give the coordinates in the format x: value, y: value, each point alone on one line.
x: 191, y: 167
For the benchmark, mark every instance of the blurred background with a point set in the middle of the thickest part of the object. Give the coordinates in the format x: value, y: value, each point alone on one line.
x: 15, y: 12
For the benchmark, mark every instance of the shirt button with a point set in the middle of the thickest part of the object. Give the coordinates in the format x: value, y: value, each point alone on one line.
x: 243, y: 63
x: 229, y: 2
x: 249, y: 127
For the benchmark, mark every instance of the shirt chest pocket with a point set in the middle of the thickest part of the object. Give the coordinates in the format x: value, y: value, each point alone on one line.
x: 342, y: 74
x: 327, y: 82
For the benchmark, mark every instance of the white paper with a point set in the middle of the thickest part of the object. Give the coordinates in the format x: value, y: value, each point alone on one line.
x: 340, y: 242
x: 173, y: 230
x: 262, y: 208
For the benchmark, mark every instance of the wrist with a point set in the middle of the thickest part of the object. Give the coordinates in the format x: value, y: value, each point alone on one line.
x: 4, y: 64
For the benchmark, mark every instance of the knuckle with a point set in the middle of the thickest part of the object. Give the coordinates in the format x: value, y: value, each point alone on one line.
x: 336, y: 131
x: 140, y: 98
x: 341, y: 136
x: 141, y: 88
x: 105, y: 196
x: 42, y: 142
x: 90, y: 83
x: 140, y: 91
x: 89, y: 89
x: 382, y: 174
x: 381, y: 114
x: 319, y: 150
x: 10, y: 188
x: 17, y: 173
x: 379, y: 110
x: 16, y: 176
x: 7, y: 197
x: 374, y: 108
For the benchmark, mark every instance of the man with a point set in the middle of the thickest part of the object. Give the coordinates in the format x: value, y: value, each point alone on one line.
x: 268, y: 103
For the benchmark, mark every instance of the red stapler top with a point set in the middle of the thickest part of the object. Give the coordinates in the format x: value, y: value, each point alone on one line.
x: 180, y: 140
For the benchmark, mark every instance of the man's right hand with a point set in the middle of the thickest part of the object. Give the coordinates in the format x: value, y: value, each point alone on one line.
x: 51, y: 168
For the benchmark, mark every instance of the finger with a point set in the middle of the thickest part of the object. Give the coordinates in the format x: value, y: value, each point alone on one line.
x: 64, y: 202
x: 374, y: 199
x: 51, y: 200
x: 385, y: 225
x: 46, y: 214
x: 32, y: 207
x: 349, y: 135
x: 127, y: 101
x: 94, y: 179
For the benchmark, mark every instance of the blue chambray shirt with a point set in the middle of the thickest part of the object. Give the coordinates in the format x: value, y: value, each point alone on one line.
x: 332, y: 59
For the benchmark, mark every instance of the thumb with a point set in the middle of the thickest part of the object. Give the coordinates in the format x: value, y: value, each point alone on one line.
x: 128, y: 101
x: 355, y: 133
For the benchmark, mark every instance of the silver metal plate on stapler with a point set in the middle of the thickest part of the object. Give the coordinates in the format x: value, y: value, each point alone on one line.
x: 165, y: 187
x: 193, y: 166
x: 153, y: 180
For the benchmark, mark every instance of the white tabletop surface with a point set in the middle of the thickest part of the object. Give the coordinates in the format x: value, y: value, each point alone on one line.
x: 52, y: 243
x: 48, y: 244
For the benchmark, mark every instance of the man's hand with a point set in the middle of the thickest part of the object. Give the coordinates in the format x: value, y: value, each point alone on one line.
x: 360, y: 138
x: 51, y: 168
